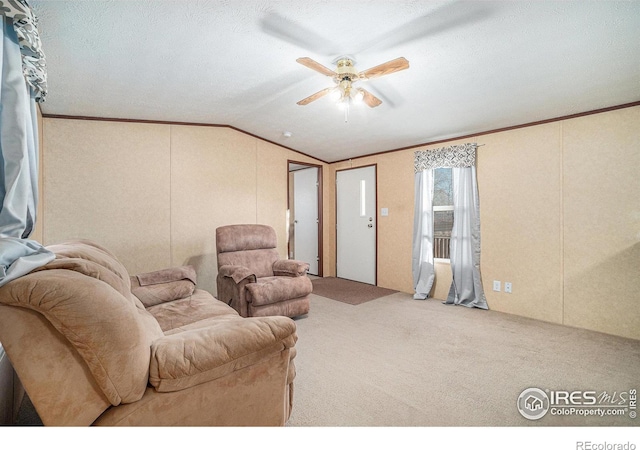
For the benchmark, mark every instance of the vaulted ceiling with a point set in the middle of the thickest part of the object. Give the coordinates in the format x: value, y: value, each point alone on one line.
x: 474, y: 65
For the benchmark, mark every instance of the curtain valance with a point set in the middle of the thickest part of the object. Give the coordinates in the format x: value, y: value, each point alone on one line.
x: 33, y: 60
x: 454, y: 156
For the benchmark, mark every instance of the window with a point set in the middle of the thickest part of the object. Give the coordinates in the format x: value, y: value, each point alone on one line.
x: 442, y: 212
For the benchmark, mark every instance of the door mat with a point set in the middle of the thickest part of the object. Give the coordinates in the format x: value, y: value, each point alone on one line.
x: 347, y: 291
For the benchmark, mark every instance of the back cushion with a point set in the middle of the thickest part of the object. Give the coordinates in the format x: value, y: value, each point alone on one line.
x: 91, y: 269
x: 107, y: 330
x: 91, y: 251
x: 93, y: 260
x: 233, y: 238
x: 260, y: 262
x: 249, y: 245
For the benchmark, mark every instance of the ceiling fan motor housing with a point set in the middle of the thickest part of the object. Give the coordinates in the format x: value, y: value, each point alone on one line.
x: 346, y: 70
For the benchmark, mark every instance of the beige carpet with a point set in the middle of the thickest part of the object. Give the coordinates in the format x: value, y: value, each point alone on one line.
x: 395, y: 361
x: 346, y: 291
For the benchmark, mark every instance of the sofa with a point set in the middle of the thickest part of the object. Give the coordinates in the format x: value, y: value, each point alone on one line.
x: 93, y: 345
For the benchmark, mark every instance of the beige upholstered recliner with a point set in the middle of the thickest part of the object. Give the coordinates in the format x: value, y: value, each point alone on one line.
x: 89, y: 351
x: 253, y: 279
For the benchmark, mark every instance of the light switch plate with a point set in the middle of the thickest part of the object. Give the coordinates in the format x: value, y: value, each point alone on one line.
x: 384, y: 212
x: 496, y: 285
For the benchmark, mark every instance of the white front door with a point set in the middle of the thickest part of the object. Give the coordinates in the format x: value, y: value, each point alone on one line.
x: 305, y: 217
x: 356, y: 224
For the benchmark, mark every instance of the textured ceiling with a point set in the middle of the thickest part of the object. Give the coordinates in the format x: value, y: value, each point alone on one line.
x: 475, y: 66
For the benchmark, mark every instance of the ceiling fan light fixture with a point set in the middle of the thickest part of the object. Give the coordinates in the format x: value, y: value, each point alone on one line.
x: 358, y: 95
x: 336, y: 94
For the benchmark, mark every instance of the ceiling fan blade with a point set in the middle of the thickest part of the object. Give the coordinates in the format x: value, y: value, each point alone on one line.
x: 316, y: 96
x: 442, y: 19
x: 392, y: 66
x: 313, y: 65
x: 298, y: 35
x: 370, y: 99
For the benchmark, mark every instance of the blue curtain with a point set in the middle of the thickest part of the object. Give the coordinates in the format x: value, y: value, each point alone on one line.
x: 18, y: 163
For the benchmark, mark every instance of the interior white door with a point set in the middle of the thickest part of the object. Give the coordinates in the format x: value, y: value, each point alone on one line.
x: 305, y: 217
x: 356, y: 224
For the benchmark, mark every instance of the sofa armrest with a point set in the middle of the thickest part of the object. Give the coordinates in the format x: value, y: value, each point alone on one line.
x: 155, y: 294
x: 193, y: 357
x: 237, y: 273
x: 290, y: 268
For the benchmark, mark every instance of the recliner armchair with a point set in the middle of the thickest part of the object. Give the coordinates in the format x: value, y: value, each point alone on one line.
x: 253, y: 279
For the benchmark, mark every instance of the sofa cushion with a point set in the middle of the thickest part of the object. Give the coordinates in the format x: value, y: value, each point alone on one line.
x: 192, y: 357
x: 270, y: 290
x: 179, y: 313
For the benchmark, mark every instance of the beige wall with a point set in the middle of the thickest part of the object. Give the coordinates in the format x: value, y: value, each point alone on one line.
x: 520, y: 197
x: 109, y: 182
x: 154, y: 194
x: 601, y: 232
x: 560, y: 220
x: 559, y: 206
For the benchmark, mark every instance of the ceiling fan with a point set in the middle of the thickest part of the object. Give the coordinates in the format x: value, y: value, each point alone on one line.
x: 346, y: 75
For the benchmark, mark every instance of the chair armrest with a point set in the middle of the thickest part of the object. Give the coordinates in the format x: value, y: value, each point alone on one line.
x: 290, y: 268
x: 237, y: 273
x: 193, y: 357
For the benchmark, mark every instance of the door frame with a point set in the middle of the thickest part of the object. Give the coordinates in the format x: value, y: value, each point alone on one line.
x: 320, y: 218
x: 375, y: 166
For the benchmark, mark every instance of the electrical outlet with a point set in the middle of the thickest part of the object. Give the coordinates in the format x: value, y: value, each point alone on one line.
x: 507, y: 287
x: 496, y: 285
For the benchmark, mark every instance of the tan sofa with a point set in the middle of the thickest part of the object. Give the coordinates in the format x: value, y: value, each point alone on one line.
x: 88, y: 351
